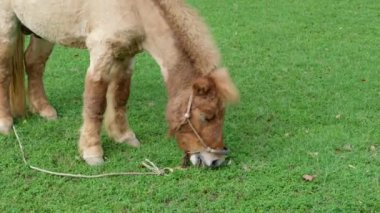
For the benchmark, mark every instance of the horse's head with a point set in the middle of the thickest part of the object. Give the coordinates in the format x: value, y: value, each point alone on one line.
x: 196, y: 121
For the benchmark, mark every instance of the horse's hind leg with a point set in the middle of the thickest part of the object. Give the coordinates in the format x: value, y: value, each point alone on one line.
x: 117, y: 97
x: 6, y: 119
x: 8, y: 38
x: 36, y: 56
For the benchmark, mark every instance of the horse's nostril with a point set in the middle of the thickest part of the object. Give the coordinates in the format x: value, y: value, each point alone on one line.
x: 214, y: 163
x: 225, y: 151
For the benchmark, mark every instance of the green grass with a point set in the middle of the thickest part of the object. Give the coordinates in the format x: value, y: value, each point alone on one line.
x: 308, y: 73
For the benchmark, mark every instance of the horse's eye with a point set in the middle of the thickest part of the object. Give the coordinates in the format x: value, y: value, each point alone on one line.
x: 210, y: 117
x: 205, y: 117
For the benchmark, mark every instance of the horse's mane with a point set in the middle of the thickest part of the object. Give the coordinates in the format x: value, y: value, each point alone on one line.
x: 192, y: 34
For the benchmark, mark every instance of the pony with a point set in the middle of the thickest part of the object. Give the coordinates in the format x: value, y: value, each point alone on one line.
x: 114, y: 31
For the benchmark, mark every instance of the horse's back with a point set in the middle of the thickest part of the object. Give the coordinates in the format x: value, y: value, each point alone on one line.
x: 70, y: 22
x: 58, y: 21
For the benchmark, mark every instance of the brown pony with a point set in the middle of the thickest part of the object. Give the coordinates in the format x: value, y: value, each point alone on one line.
x: 114, y: 32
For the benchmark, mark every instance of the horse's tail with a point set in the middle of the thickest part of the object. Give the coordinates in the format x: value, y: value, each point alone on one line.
x: 17, y: 86
x: 192, y: 33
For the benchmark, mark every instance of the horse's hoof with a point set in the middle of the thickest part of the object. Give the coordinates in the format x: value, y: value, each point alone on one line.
x: 130, y: 138
x: 49, y: 113
x: 93, y: 155
x: 5, y: 126
x: 4, y: 130
x: 94, y: 161
x: 133, y: 142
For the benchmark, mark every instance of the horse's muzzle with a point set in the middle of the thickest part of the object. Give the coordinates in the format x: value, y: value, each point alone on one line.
x: 208, y: 159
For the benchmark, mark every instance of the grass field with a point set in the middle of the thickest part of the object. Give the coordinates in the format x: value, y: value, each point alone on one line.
x: 308, y: 73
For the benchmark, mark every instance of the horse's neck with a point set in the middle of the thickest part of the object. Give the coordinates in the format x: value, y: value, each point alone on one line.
x: 161, y: 43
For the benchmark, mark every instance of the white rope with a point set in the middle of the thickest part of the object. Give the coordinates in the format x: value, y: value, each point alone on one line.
x: 146, y: 163
x: 188, y: 109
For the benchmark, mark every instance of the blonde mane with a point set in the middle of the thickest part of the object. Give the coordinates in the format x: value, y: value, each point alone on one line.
x: 192, y: 34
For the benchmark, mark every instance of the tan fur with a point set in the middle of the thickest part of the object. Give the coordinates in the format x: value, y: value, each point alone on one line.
x: 114, y: 31
x: 17, y: 86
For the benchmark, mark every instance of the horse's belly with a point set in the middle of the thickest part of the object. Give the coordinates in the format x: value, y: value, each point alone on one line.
x: 59, y: 21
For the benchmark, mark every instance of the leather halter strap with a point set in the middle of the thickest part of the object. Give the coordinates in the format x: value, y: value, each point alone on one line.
x: 187, y: 120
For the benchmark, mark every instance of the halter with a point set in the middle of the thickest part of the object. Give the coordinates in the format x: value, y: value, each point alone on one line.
x: 187, y: 119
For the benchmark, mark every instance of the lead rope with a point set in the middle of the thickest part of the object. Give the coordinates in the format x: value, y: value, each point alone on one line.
x: 146, y: 163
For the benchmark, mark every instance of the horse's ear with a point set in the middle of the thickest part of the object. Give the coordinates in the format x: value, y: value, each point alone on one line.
x: 224, y: 86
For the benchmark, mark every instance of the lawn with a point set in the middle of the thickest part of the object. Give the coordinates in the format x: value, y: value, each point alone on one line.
x: 308, y: 74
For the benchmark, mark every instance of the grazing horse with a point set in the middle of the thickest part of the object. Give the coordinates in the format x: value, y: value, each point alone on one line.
x: 114, y: 31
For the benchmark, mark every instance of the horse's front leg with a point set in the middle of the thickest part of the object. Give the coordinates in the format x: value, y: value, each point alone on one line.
x: 36, y: 56
x: 115, y: 120
x: 109, y: 61
x: 94, y: 105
